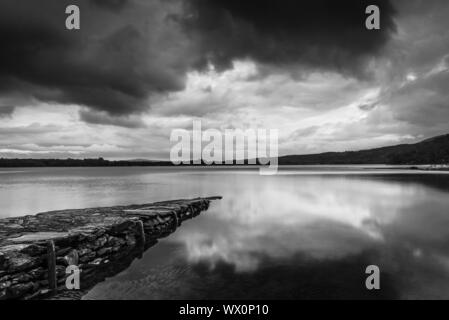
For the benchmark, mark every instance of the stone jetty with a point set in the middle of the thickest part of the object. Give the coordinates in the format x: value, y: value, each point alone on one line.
x: 36, y: 250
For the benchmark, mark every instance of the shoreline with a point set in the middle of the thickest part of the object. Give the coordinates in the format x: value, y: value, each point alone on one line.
x: 35, y: 250
x: 254, y: 166
x: 431, y: 167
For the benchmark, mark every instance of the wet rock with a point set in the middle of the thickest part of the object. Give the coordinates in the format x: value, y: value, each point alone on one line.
x: 116, y: 242
x: 84, y: 251
x: 63, y: 251
x: 88, y: 257
x: 22, y: 277
x: 97, y: 262
x: 37, y: 273
x: 14, y: 226
x: 60, y: 271
x: 121, y: 227
x: 19, y: 290
x: 34, y: 250
x: 5, y: 278
x: 21, y: 262
x: 61, y: 261
x: 104, y: 251
x: 5, y: 284
x: 130, y: 241
x: 100, y: 242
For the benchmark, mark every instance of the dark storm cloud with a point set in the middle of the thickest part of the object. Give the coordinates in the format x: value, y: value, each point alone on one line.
x: 103, y: 118
x: 323, y: 34
x: 368, y: 106
x: 6, y: 111
x: 128, y: 50
x: 111, y: 4
x: 414, y: 99
x: 117, y: 59
x: 424, y: 102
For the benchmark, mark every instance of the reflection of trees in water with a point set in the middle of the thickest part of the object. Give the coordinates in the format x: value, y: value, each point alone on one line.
x: 296, y: 277
x: 438, y: 181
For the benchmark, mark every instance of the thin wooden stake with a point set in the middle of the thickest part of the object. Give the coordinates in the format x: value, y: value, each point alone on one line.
x: 141, y: 231
x: 51, y: 262
x: 176, y: 222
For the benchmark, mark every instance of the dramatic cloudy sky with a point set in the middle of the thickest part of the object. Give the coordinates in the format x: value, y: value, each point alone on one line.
x: 138, y: 69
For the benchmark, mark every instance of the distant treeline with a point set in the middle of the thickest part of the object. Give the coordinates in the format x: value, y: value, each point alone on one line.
x: 100, y: 162
x: 431, y: 151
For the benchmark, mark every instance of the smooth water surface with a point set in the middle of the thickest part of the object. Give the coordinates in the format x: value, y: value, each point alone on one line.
x: 308, y: 232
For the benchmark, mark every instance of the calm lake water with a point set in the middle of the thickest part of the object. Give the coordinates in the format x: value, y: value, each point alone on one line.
x: 308, y: 232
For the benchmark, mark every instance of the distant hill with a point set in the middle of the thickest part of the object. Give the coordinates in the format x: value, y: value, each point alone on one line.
x: 430, y: 151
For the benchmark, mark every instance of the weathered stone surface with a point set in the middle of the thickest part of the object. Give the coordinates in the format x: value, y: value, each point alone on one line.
x: 88, y: 257
x: 104, y: 251
x: 101, y: 241
x: 15, y: 260
x: 39, y: 237
x: 18, y: 290
x: 34, y: 250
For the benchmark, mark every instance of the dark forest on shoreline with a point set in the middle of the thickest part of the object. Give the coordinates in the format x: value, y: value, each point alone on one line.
x: 431, y: 151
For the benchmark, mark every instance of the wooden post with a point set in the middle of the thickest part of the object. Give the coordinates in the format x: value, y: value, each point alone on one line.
x: 141, y: 241
x: 51, y: 262
x: 176, y: 223
x: 141, y: 231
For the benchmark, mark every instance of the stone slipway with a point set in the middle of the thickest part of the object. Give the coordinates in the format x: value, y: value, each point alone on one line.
x: 36, y: 250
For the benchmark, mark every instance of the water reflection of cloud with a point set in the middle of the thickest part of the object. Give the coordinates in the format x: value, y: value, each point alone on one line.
x: 322, y: 217
x: 302, y: 237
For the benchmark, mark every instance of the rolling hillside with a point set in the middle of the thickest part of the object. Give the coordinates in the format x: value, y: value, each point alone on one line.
x: 430, y: 151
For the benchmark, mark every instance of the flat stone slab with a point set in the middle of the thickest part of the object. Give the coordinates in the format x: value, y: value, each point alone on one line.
x: 102, y: 242
x: 39, y: 236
